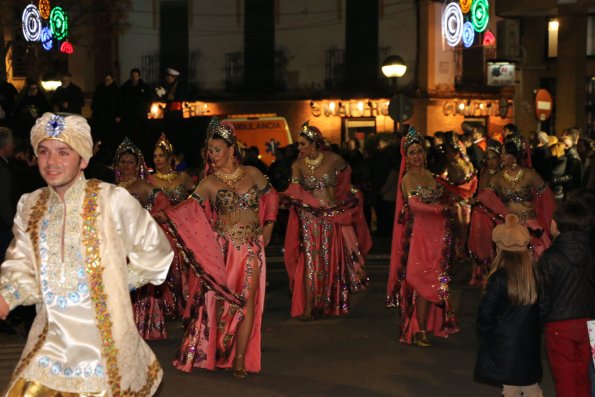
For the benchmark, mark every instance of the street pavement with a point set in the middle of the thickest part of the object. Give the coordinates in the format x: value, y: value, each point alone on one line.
x: 354, y: 355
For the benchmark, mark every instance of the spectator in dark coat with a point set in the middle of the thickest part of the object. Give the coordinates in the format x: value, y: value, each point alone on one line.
x: 251, y: 158
x: 568, y: 297
x: 540, y: 154
x: 107, y: 112
x: 508, y: 316
x: 8, y: 95
x: 136, y: 97
x: 32, y: 103
x: 68, y: 98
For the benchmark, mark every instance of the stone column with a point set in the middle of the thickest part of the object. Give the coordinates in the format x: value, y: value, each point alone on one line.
x: 570, y: 98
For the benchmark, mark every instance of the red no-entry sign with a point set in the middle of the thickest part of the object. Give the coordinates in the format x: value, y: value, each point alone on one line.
x: 543, y: 104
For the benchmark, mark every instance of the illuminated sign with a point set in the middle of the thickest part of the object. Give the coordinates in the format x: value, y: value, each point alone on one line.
x: 500, y: 73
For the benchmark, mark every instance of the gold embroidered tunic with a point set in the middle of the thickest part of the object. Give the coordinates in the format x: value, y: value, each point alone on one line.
x: 70, y: 258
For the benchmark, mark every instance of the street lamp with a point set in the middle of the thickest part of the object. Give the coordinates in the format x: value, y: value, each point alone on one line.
x: 394, y: 67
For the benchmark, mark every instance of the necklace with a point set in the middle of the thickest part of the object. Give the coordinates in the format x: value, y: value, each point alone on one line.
x: 312, y: 164
x: 128, y: 183
x: 169, y: 177
x: 230, y: 179
x: 513, y: 180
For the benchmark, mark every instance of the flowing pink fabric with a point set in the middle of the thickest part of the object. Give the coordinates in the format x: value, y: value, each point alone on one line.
x: 545, y: 205
x: 327, y: 245
x: 220, y: 285
x: 150, y: 302
x: 421, y: 251
x: 480, y: 244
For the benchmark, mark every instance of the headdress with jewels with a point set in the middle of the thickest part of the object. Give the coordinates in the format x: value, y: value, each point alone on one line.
x: 413, y: 137
x: 494, y: 147
x: 71, y: 129
x: 165, y: 145
x: 312, y: 133
x: 221, y: 129
x: 127, y: 146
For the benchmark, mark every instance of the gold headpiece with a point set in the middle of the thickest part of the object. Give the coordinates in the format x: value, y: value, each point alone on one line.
x: 128, y: 147
x: 413, y: 137
x: 312, y: 133
x: 223, y: 130
x: 164, y: 145
x: 71, y: 129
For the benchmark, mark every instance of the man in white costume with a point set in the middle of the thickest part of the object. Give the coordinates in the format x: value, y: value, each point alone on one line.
x: 79, y: 247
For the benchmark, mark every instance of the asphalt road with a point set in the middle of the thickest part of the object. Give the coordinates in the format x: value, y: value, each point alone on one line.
x: 354, y: 355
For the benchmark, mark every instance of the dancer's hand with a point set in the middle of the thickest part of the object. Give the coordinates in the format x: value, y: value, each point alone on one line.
x: 267, y: 232
x: 4, y: 308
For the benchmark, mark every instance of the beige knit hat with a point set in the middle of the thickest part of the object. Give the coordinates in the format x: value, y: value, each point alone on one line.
x: 71, y: 129
x: 511, y: 236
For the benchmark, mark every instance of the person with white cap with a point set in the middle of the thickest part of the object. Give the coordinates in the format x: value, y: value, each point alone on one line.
x: 508, y: 316
x: 170, y: 90
x: 79, y: 246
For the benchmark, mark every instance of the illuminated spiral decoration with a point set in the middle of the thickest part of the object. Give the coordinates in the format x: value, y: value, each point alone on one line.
x: 465, y: 5
x: 452, y: 24
x: 468, y: 34
x: 66, y: 48
x: 44, y: 8
x: 47, y: 41
x: 31, y: 23
x: 59, y: 23
x: 480, y: 15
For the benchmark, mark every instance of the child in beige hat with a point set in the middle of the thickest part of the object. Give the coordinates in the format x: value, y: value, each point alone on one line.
x: 508, y: 316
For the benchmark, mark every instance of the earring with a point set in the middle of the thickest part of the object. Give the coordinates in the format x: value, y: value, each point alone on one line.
x: 514, y: 165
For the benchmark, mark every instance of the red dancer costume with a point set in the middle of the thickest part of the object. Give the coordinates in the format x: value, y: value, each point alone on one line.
x: 176, y: 186
x: 148, y: 302
x: 521, y: 191
x: 221, y: 228
x: 421, y: 253
x: 327, y: 236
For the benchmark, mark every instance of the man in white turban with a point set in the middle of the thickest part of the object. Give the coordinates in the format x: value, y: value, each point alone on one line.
x: 79, y: 246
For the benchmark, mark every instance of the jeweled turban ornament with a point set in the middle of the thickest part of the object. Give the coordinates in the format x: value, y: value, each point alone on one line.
x: 312, y: 133
x: 165, y: 145
x: 413, y: 137
x: 223, y: 130
x: 127, y: 146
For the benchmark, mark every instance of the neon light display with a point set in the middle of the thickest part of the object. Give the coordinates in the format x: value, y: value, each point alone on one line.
x: 452, y: 24
x: 465, y: 5
x: 31, y: 23
x: 480, y: 15
x: 489, y: 39
x: 59, y: 23
x: 468, y: 34
x: 66, y: 48
x: 47, y: 41
x: 44, y: 8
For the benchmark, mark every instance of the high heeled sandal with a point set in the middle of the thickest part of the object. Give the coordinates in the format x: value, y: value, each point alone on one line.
x: 239, y: 373
x: 307, y: 316
x: 421, y: 339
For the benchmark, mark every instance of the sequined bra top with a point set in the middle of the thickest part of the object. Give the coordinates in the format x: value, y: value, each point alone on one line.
x: 427, y: 194
x: 176, y: 194
x: 326, y: 181
x: 518, y: 195
x: 228, y: 201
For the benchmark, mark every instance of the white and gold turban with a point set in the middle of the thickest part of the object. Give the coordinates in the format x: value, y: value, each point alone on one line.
x: 71, y: 129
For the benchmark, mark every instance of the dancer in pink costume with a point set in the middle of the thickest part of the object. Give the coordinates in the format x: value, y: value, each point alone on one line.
x: 327, y: 236
x: 422, y: 249
x: 223, y: 228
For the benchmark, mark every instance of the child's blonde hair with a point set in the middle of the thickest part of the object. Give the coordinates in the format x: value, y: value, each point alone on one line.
x: 521, y: 274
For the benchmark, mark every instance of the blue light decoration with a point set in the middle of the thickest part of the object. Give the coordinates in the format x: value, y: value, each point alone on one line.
x: 468, y: 34
x: 31, y: 23
x: 47, y: 41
